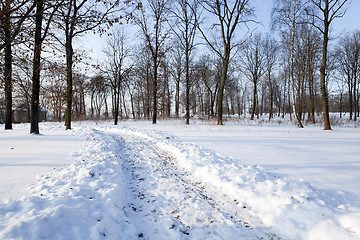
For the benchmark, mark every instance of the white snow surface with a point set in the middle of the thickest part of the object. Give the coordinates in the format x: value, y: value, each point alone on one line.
x: 171, y: 181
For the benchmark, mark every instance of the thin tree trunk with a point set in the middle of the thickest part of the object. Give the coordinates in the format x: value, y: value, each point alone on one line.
x: 187, y: 115
x: 177, y: 95
x: 355, y: 96
x: 222, y: 86
x: 253, y: 109
x: 298, y: 122
x: 154, y: 117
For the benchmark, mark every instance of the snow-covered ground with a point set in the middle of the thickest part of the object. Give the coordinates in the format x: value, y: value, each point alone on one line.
x: 171, y: 181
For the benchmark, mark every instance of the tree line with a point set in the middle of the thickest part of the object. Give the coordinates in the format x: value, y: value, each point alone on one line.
x: 190, y: 57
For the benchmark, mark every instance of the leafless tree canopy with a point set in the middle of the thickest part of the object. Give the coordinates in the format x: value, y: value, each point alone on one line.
x: 182, y: 58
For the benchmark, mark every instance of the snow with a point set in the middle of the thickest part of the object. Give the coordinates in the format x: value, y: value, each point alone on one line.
x: 171, y: 181
x: 23, y: 156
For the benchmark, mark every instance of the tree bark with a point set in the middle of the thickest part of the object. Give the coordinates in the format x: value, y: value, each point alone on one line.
x: 34, y: 125
x: 253, y: 109
x: 69, y: 81
x: 298, y: 122
x: 324, y: 93
x: 271, y: 97
x: 155, y: 82
x: 8, y: 67
x: 222, y: 86
x: 187, y: 76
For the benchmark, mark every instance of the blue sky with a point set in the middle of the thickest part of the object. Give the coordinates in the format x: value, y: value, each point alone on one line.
x: 349, y: 22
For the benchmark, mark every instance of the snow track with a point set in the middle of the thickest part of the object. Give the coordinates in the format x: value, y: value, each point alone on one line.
x: 168, y: 203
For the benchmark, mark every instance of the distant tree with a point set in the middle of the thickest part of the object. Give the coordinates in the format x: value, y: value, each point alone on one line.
x: 309, y: 60
x: 151, y: 19
x: 286, y: 15
x: 271, y: 51
x: 117, y: 67
x: 185, y: 29
x: 253, y: 66
x: 142, y: 73
x: 348, y: 58
x: 54, y: 91
x: 230, y: 15
x: 209, y: 73
x: 79, y: 94
x: 176, y: 62
x: 98, y: 88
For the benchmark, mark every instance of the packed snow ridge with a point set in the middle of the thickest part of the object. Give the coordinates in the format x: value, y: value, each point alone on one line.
x: 132, y: 183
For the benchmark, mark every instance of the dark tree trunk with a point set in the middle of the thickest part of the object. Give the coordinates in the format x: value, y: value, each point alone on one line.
x: 253, y: 109
x: 154, y: 116
x: 8, y: 68
x: 69, y: 81
x: 226, y: 61
x: 271, y: 95
x: 187, y: 63
x: 324, y: 92
x: 177, y: 95
x: 34, y: 125
x: 355, y: 95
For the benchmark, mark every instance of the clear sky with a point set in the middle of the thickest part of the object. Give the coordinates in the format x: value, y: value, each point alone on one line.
x: 349, y: 22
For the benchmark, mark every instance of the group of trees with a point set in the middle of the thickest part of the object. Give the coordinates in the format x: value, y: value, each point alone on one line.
x: 25, y: 25
x: 190, y: 57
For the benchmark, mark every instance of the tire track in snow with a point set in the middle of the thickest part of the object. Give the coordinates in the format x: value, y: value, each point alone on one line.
x: 168, y: 203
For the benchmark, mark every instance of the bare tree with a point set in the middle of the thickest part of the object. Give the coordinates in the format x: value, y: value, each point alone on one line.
x: 76, y: 18
x: 309, y: 48
x: 271, y: 50
x: 50, y: 7
x: 185, y: 11
x: 176, y: 70
x: 286, y: 14
x: 153, y: 29
x: 253, y: 66
x: 209, y: 72
x: 324, y: 12
x: 117, y: 66
x: 348, y: 58
x: 13, y: 14
x: 229, y: 14
x: 99, y: 89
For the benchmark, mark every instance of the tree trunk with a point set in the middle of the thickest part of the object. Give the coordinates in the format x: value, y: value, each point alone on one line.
x: 253, y: 109
x: 324, y: 93
x: 8, y: 68
x: 271, y: 96
x: 222, y: 86
x: 177, y: 95
x: 298, y: 122
x: 69, y: 81
x: 154, y: 117
x: 187, y: 115
x: 116, y: 105
x: 34, y: 125
x: 355, y: 95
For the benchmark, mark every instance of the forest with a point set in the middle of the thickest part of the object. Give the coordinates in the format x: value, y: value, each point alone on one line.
x: 176, y: 59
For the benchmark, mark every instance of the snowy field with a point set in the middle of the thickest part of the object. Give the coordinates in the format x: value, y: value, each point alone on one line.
x: 171, y: 181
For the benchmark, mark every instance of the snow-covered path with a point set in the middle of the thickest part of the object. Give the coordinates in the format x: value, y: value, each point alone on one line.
x: 133, y: 183
x: 168, y: 203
